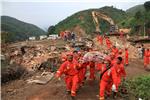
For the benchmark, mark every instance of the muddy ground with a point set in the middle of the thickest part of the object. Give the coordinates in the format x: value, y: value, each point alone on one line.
x: 55, y: 89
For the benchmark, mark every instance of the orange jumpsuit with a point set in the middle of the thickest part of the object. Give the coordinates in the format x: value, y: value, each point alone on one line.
x: 92, y: 70
x: 82, y: 72
x: 108, y: 43
x: 71, y: 75
x: 126, y: 57
x: 100, y: 40
x: 62, y: 34
x: 98, y: 66
x: 113, y: 62
x: 120, y: 73
x: 146, y: 58
x: 76, y: 56
x: 115, y: 51
x: 149, y: 56
x: 108, y: 78
x: 120, y: 55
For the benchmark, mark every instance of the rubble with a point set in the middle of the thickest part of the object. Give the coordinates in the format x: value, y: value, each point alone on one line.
x: 44, y: 78
x: 11, y: 73
x: 119, y: 44
x: 36, y: 56
x: 31, y: 57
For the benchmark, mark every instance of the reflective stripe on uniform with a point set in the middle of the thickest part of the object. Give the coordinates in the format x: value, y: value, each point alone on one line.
x: 73, y: 92
x: 109, y: 71
x: 58, y: 71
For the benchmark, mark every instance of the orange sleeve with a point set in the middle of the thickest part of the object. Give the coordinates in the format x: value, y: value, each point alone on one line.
x: 98, y: 67
x: 123, y: 71
x: 114, y: 76
x: 61, y: 70
x: 127, y: 53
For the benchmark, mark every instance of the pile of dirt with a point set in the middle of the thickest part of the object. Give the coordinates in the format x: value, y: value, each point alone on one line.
x: 79, y: 31
x: 12, y: 72
x: 31, y: 57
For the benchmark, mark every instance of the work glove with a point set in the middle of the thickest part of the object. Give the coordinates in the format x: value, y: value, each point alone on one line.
x: 59, y: 79
x: 114, y: 88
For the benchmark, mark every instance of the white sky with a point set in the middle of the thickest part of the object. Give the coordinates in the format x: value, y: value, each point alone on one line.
x: 44, y: 13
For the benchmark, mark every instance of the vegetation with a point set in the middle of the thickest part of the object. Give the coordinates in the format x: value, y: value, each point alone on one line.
x: 139, y: 20
x: 51, y: 30
x: 85, y: 21
x: 131, y: 11
x: 140, y: 87
x: 15, y: 30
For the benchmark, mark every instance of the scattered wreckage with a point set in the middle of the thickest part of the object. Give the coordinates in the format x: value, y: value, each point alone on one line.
x: 30, y: 58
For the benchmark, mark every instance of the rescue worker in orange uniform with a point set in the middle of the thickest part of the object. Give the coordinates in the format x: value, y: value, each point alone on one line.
x: 115, y: 50
x: 62, y: 34
x: 76, y: 55
x: 146, y: 58
x: 99, y: 64
x: 82, y: 72
x: 119, y: 67
x: 108, y: 77
x: 92, y: 70
x: 100, y: 39
x: 113, y: 58
x: 108, y: 43
x: 70, y: 69
x: 82, y: 69
x: 120, y: 54
x: 149, y: 56
x: 126, y: 57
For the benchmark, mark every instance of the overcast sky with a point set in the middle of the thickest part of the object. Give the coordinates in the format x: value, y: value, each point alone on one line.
x: 46, y: 13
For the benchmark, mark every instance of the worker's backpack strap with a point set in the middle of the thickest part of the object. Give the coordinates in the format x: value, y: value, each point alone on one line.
x: 104, y: 73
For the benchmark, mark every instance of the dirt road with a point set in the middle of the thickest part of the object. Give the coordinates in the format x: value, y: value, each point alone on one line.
x: 55, y: 90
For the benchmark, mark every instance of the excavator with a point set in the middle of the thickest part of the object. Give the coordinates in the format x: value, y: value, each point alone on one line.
x: 96, y: 15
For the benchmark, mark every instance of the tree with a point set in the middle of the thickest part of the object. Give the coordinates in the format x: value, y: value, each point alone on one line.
x: 138, y: 15
x: 147, y: 5
x: 51, y: 30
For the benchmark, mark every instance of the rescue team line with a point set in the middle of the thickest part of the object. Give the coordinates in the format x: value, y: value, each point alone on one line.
x: 111, y: 68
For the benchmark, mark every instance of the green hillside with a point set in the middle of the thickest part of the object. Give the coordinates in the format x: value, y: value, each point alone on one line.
x: 132, y: 11
x: 84, y: 21
x: 138, y: 20
x: 16, y: 30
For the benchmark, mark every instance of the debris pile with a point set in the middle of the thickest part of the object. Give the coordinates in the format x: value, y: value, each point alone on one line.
x: 119, y: 44
x: 32, y: 56
x: 12, y: 72
x: 44, y: 78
